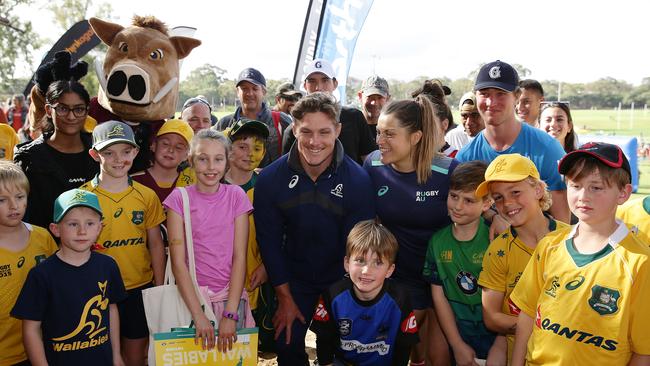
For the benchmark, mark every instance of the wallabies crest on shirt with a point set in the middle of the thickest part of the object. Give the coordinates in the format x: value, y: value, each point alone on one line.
x: 91, y: 316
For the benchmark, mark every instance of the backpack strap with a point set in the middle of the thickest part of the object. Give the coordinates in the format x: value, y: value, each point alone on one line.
x: 278, y: 127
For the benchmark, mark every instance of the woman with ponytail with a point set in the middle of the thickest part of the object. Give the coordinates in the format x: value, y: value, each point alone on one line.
x: 411, y: 178
x: 433, y: 90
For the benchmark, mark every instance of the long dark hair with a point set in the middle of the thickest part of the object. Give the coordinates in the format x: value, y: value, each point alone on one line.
x: 433, y: 90
x: 57, y: 89
x: 570, y: 139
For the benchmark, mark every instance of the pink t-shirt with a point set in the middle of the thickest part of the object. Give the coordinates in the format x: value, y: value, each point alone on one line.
x: 213, y: 229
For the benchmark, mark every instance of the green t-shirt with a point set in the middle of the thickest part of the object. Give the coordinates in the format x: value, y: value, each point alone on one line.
x: 455, y: 265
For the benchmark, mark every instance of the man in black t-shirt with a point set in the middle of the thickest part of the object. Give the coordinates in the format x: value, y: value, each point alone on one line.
x: 355, y: 134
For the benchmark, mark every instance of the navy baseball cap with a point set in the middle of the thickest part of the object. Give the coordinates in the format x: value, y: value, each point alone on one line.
x: 497, y: 74
x: 608, y: 154
x: 252, y: 76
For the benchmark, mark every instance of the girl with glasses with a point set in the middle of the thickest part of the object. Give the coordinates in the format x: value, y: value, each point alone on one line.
x: 58, y: 160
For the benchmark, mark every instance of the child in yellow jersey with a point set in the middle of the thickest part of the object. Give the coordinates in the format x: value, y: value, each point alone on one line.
x: 8, y: 140
x: 22, y: 246
x: 131, y: 234
x: 520, y: 198
x: 584, y: 296
x: 636, y: 213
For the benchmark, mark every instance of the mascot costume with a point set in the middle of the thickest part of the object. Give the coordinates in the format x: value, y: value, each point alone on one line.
x: 139, y: 77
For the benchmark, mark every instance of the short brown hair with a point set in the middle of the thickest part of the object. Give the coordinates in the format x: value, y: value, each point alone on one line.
x: 12, y: 176
x: 467, y: 176
x: 372, y: 236
x: 317, y: 102
x: 585, y: 165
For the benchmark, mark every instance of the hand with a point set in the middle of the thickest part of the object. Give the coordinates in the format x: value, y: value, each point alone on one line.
x: 499, y: 225
x: 284, y: 317
x: 204, y: 331
x: 227, y: 334
x: 464, y: 355
x: 258, y: 277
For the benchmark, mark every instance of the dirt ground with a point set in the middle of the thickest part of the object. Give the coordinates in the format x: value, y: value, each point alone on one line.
x: 310, y: 347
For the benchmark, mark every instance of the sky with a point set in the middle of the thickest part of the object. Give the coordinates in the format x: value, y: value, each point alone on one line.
x: 569, y: 41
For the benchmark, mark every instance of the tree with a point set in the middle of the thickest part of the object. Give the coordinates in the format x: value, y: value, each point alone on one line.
x: 17, y: 42
x: 204, y: 80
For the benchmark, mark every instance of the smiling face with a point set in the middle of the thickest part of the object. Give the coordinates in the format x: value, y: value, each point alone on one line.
x: 372, y: 106
x: 169, y: 150
x: 251, y: 96
x: 368, y: 272
x: 13, y: 203
x: 555, y: 122
x: 197, y: 116
x: 115, y: 160
x: 396, y: 144
x: 319, y: 82
x: 529, y: 105
x: 78, y: 229
x: 496, y: 106
x: 316, y: 135
x: 246, y: 153
x: 517, y: 202
x: 70, y: 123
x: 209, y: 161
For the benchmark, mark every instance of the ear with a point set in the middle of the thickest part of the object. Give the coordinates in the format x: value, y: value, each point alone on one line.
x: 294, y: 128
x: 390, y: 270
x: 106, y: 31
x: 184, y: 45
x: 94, y: 154
x: 487, y: 203
x: 444, y: 124
x: 624, y: 194
x: 539, y: 191
x: 360, y: 95
x: 48, y: 110
x: 337, y: 128
x: 54, y: 228
x: 336, y: 83
x: 346, y: 265
x: 415, y: 137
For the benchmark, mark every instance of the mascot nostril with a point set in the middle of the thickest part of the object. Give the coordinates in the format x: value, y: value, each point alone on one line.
x: 116, y: 83
x: 137, y: 87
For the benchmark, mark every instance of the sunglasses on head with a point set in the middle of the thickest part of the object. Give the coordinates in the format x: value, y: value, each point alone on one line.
x: 192, y: 101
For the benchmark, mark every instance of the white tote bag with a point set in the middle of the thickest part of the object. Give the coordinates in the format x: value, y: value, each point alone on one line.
x: 164, y: 305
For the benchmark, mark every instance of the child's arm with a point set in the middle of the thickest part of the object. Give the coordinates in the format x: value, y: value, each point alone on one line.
x: 176, y: 233
x: 463, y: 353
x: 494, y: 319
x: 498, y: 353
x: 115, y: 334
x: 33, y: 340
x: 227, y: 327
x: 524, y: 329
x: 157, y: 252
x: 639, y: 360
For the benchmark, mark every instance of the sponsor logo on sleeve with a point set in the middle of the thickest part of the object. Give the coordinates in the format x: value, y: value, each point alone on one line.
x: 321, y: 315
x: 409, y: 325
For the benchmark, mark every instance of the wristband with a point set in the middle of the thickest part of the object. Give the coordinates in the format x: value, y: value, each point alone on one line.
x: 229, y: 315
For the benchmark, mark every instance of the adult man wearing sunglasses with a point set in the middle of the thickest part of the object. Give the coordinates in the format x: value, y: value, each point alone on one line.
x: 197, y: 112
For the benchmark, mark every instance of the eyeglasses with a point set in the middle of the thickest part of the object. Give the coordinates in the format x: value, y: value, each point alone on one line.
x: 192, y: 101
x: 64, y: 110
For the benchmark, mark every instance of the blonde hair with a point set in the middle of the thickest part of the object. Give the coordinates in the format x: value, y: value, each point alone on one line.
x: 208, y: 134
x: 12, y: 176
x: 371, y: 236
x: 546, y: 201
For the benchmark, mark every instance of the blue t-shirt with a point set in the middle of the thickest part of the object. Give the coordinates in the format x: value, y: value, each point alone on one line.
x: 72, y: 304
x: 535, y: 144
x: 364, y: 332
x: 412, y: 212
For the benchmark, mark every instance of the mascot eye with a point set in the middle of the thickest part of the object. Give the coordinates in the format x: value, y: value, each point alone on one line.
x: 156, y: 55
x: 123, y: 47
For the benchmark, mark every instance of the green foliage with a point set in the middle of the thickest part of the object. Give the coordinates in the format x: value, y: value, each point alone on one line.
x: 17, y: 42
x: 204, y: 80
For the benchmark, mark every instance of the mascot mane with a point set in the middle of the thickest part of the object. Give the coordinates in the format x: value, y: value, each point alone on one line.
x: 150, y: 22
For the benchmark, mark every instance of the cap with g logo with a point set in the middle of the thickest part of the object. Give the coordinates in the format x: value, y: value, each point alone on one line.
x: 112, y: 132
x: 320, y: 65
x: 497, y: 74
x: 252, y: 76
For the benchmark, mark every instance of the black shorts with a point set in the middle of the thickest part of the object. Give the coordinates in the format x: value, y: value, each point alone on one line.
x: 133, y: 322
x: 419, y: 293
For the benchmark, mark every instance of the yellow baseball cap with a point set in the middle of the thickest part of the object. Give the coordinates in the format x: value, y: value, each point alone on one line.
x: 178, y: 127
x: 507, y: 168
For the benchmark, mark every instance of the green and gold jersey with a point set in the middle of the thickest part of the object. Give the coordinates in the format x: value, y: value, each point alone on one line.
x: 588, y: 309
x: 127, y: 217
x: 14, y: 267
x: 636, y: 214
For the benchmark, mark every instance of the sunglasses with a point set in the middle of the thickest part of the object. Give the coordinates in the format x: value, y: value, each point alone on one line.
x: 192, y: 101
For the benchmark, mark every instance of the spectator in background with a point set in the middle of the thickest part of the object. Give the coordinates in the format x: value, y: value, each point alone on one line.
x: 3, y: 112
x: 8, y: 140
x: 198, y: 113
x: 555, y: 119
x: 373, y: 95
x: 17, y: 113
x: 530, y: 101
x: 251, y: 91
x: 435, y: 92
x: 472, y: 123
x: 286, y: 97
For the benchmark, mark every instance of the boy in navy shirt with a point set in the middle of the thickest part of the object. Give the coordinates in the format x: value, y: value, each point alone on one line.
x: 68, y: 301
x: 365, y: 319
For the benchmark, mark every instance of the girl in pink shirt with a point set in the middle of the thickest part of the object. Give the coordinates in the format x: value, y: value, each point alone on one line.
x: 219, y: 216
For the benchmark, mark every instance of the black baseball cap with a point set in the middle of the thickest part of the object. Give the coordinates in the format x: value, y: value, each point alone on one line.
x: 608, y: 154
x: 252, y: 76
x: 245, y: 124
x: 497, y: 74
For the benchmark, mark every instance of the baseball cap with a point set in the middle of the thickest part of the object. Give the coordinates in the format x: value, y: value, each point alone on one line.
x: 608, y: 154
x: 178, y: 127
x: 74, y: 198
x: 319, y: 65
x: 252, y: 76
x: 497, y: 74
x: 375, y: 85
x: 288, y: 90
x: 245, y: 124
x: 112, y: 132
x: 507, y: 168
x: 467, y: 96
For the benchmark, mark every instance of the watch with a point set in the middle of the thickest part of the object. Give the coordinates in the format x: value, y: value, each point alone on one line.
x: 229, y: 315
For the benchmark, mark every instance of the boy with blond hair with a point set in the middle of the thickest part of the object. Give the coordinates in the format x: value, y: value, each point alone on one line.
x: 452, y: 266
x: 68, y: 301
x: 365, y: 319
x: 521, y: 198
x: 584, y: 295
x: 22, y: 246
x: 131, y: 233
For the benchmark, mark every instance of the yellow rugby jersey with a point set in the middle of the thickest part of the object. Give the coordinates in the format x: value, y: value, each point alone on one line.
x: 8, y: 140
x: 14, y: 267
x: 503, y: 263
x: 253, y: 256
x: 186, y: 177
x: 588, y: 309
x: 127, y: 216
x: 636, y: 213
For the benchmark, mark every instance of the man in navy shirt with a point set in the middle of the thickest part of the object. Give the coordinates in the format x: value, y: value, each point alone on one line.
x: 306, y: 203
